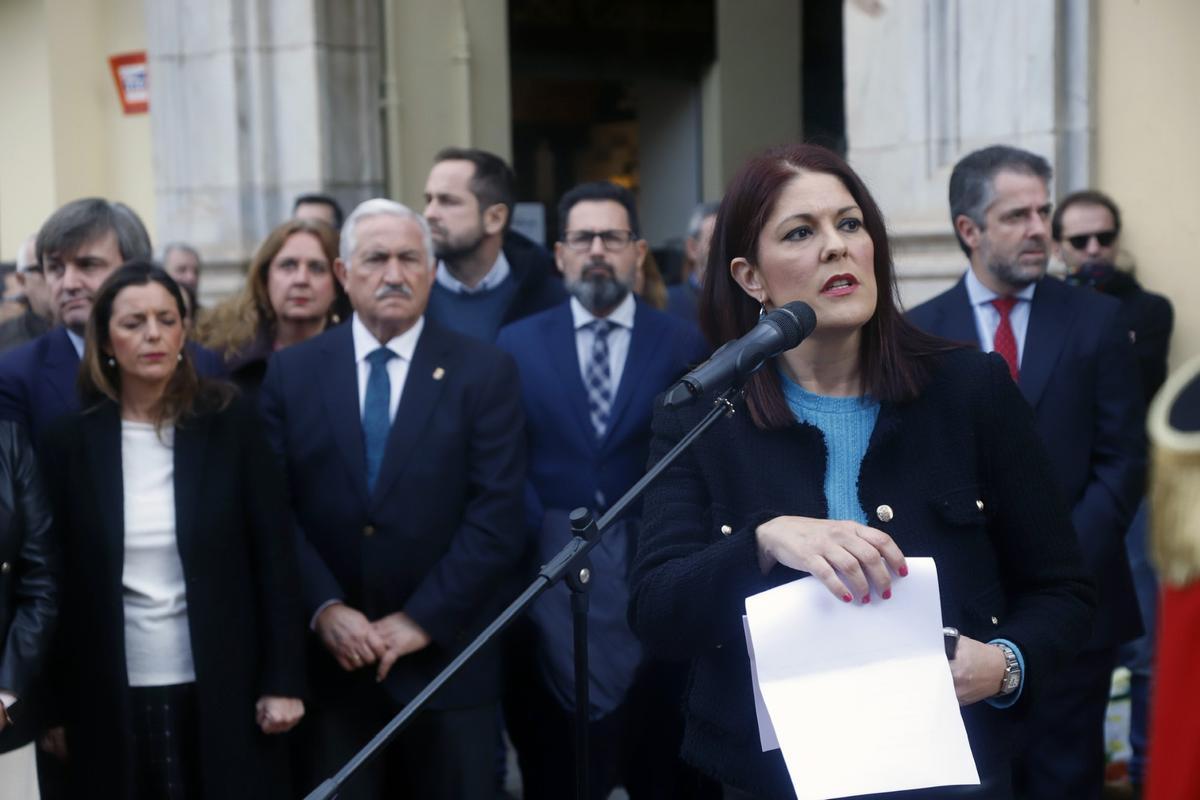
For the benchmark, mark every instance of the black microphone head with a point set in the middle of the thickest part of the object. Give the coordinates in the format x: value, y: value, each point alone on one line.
x: 796, y: 320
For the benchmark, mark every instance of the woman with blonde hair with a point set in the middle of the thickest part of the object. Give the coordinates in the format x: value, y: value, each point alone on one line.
x: 290, y: 295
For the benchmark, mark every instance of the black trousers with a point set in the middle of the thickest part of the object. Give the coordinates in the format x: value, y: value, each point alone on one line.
x: 1063, y: 755
x: 165, y: 742
x: 447, y: 754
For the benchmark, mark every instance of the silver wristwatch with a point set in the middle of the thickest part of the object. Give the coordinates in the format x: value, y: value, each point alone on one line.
x: 1012, y: 670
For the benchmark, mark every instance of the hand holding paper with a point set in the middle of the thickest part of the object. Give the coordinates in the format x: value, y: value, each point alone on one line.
x: 860, y: 697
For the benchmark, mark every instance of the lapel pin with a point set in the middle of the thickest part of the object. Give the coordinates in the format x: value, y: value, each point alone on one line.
x: 439, y: 373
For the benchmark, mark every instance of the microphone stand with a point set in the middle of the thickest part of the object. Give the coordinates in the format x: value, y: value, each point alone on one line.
x: 572, y: 563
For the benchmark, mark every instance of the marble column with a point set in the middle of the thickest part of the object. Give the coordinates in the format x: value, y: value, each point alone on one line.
x: 931, y: 80
x: 254, y: 102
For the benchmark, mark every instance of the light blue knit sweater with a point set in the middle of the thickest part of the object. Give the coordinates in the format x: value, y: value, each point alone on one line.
x: 846, y: 423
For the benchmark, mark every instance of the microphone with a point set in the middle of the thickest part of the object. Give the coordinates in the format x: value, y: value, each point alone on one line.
x: 780, y: 330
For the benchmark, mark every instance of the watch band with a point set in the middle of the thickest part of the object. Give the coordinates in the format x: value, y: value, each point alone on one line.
x: 1012, y: 670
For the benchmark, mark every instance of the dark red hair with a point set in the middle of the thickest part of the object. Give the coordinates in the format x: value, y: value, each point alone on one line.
x: 894, y: 353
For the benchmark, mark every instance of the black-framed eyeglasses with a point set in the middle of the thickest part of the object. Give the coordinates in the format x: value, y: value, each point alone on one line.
x: 1105, y: 238
x: 613, y: 241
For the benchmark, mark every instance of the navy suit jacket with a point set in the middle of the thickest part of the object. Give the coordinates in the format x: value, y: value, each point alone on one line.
x: 568, y: 465
x: 1079, y: 373
x: 38, y: 379
x: 440, y: 533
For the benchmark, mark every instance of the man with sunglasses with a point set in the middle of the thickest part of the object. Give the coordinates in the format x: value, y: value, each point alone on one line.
x: 1086, y: 228
x: 1087, y: 237
x: 1071, y: 358
x: 590, y: 369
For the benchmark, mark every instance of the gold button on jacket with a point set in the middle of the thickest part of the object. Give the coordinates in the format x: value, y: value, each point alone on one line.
x: 884, y: 512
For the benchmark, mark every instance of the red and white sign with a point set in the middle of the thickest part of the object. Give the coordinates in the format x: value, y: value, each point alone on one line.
x: 129, y: 74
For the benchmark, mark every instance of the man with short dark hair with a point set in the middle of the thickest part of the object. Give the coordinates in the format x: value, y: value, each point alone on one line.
x: 1072, y: 360
x: 683, y: 298
x: 78, y: 247
x: 487, y: 274
x: 322, y: 207
x: 590, y: 370
x: 1086, y: 228
x: 38, y: 316
x: 182, y: 262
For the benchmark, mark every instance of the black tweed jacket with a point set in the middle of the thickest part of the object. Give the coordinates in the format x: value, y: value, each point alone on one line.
x: 967, y: 482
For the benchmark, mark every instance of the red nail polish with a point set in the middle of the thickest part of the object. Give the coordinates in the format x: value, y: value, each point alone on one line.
x: 847, y: 598
x: 866, y: 598
x: 887, y: 594
x: 903, y: 571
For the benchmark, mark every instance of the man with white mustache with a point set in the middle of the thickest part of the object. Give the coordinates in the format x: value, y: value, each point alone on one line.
x: 1072, y: 360
x: 405, y: 449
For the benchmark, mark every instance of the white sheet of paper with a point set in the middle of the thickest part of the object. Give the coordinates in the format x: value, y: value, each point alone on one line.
x: 766, y: 732
x: 860, y: 697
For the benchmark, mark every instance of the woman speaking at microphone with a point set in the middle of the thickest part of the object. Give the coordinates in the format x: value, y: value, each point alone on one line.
x: 867, y: 443
x: 180, y: 642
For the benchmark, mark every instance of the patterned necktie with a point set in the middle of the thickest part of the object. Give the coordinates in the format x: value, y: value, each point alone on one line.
x: 599, y: 378
x: 1005, y: 342
x: 376, y: 421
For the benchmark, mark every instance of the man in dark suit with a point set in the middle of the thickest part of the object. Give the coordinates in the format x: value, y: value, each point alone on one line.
x: 683, y: 298
x: 487, y: 274
x: 1086, y: 228
x: 1074, y: 364
x: 590, y: 370
x: 78, y: 247
x: 405, y: 454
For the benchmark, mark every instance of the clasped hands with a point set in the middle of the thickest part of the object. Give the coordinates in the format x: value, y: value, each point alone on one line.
x: 356, y: 642
x: 849, y: 558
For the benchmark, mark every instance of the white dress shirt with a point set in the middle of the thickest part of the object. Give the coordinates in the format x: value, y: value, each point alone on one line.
x: 76, y: 342
x: 987, y: 317
x: 402, y: 345
x: 495, y: 276
x: 618, y: 337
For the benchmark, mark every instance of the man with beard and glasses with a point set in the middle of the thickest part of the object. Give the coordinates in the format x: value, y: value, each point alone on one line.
x: 590, y: 369
x: 1072, y: 360
x: 487, y: 274
x: 405, y: 453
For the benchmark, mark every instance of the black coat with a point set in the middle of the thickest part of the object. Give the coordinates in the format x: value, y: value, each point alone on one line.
x: 968, y: 483
x: 1079, y: 374
x: 536, y: 276
x: 28, y: 582
x: 235, y: 542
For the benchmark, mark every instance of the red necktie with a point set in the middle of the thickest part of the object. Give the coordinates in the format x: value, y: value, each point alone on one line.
x: 1005, y: 342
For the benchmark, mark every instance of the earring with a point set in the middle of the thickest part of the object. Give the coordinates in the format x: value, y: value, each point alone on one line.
x: 762, y: 310
x: 180, y: 358
x: 112, y: 362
